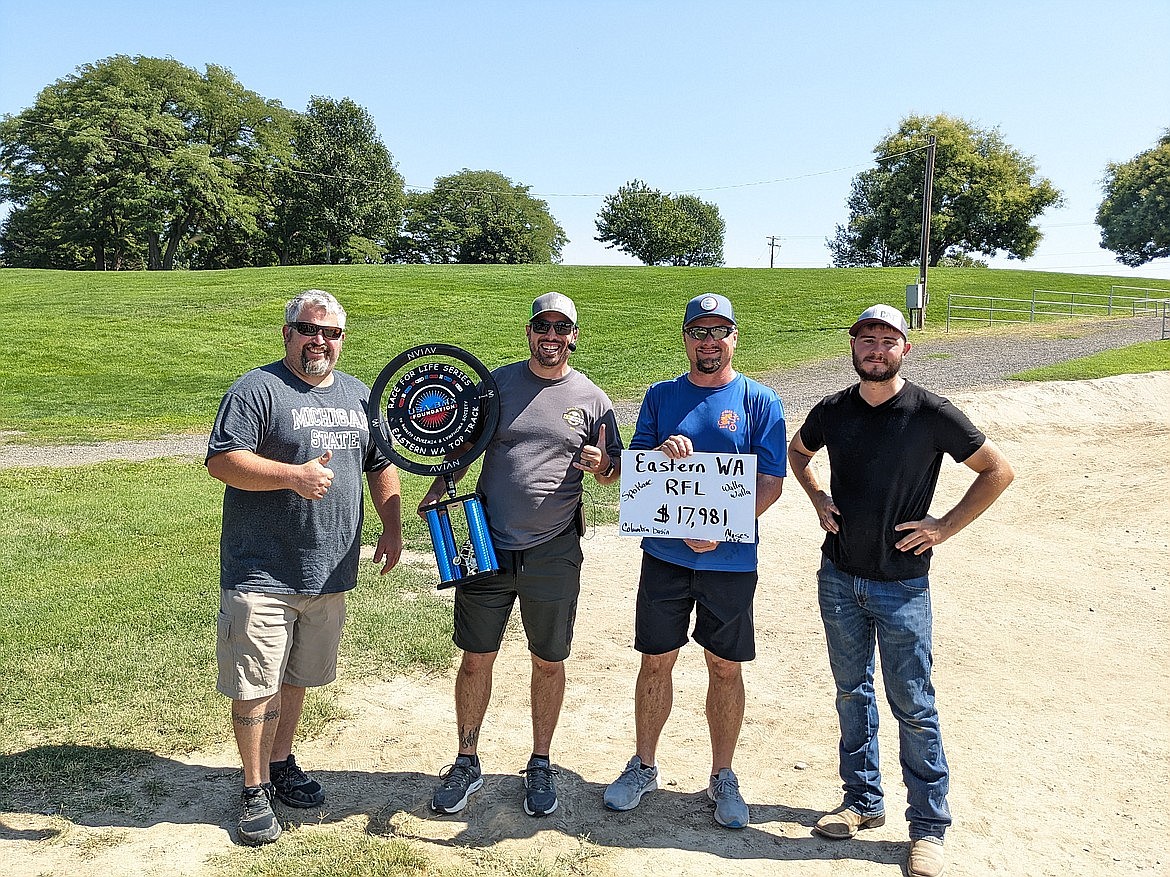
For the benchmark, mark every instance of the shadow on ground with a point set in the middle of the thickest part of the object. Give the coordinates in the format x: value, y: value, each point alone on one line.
x: 131, y: 788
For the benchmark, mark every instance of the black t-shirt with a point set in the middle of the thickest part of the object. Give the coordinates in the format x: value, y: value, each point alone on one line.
x: 884, y: 464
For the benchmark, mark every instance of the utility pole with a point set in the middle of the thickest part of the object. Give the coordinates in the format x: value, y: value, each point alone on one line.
x: 773, y: 246
x: 924, y: 250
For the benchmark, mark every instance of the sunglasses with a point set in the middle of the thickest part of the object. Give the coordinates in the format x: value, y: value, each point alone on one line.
x: 310, y: 330
x: 562, y: 327
x: 700, y: 333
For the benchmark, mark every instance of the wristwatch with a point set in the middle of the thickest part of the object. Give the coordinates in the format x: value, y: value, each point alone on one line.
x: 609, y: 471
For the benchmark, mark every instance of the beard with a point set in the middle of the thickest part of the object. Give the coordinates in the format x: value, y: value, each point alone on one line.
x: 879, y: 372
x: 709, y: 365
x: 547, y: 359
x: 316, y: 367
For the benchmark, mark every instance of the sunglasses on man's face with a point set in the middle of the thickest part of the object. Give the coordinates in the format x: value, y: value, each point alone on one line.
x: 562, y: 327
x: 700, y: 333
x: 310, y: 330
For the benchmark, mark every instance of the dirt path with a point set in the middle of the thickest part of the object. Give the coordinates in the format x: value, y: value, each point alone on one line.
x: 1051, y: 617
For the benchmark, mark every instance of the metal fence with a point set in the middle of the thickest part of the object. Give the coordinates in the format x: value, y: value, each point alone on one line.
x: 1048, y: 304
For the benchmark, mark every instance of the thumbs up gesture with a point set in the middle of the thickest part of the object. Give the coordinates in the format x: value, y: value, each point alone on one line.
x: 314, y: 477
x: 595, y: 458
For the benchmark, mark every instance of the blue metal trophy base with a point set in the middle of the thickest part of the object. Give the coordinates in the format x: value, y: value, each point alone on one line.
x: 461, y: 561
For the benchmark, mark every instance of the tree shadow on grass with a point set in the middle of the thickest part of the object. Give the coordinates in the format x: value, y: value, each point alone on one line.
x: 132, y: 788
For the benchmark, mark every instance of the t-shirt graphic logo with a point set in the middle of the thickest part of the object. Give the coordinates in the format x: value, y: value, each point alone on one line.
x: 729, y: 420
x: 574, y: 417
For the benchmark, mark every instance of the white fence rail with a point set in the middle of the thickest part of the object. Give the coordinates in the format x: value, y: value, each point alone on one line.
x: 1047, y: 304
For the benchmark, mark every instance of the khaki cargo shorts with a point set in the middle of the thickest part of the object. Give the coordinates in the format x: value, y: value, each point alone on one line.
x: 264, y: 640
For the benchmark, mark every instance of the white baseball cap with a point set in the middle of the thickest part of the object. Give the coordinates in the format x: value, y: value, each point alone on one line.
x: 891, y: 316
x: 554, y: 301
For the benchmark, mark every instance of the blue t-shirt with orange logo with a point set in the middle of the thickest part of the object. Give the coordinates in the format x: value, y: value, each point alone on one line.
x: 741, y: 417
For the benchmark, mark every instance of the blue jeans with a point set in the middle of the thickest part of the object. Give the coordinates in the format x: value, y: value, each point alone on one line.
x: 856, y: 613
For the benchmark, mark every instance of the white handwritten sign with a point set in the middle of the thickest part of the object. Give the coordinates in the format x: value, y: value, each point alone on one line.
x: 703, y: 496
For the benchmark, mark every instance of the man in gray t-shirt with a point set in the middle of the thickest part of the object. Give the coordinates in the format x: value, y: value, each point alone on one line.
x: 291, y: 442
x: 555, y: 425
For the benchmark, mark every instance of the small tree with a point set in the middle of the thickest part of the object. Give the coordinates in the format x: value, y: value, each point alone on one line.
x: 660, y: 229
x: 478, y: 217
x: 986, y: 196
x: 1135, y: 213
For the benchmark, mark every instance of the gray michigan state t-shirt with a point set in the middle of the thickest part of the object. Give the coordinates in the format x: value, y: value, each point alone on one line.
x: 528, y: 482
x: 275, y: 540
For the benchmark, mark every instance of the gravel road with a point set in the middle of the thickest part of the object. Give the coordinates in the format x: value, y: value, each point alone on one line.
x: 944, y: 365
x: 954, y: 362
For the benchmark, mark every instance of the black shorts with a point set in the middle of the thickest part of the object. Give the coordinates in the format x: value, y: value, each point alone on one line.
x: 546, y: 578
x: 723, y: 610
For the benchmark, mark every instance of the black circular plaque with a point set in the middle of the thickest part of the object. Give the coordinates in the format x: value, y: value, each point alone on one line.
x: 425, y: 405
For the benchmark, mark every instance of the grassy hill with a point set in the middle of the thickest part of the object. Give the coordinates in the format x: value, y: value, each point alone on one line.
x: 139, y: 354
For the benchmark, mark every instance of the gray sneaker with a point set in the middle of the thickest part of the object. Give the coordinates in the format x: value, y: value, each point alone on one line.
x: 460, y: 781
x: 540, y: 787
x: 627, y: 790
x: 258, y: 824
x: 730, y: 809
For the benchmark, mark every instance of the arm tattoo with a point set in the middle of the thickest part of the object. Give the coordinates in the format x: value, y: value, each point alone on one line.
x: 468, y: 737
x: 251, y: 721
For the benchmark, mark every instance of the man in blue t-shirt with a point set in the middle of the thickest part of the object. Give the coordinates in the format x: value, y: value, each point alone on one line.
x: 886, y: 438
x: 291, y: 442
x: 710, y: 409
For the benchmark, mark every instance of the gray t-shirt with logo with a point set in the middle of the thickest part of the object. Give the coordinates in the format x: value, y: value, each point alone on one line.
x: 275, y: 540
x: 529, y: 486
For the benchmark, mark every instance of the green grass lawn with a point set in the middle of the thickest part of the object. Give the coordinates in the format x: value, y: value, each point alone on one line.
x: 1149, y: 356
x: 109, y: 594
x: 106, y: 355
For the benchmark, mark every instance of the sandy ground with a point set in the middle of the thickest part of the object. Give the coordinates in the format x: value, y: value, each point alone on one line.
x: 1051, y: 647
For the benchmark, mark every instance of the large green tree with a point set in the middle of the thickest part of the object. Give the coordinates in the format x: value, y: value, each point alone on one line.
x: 661, y: 229
x: 986, y: 196
x: 129, y: 160
x: 479, y: 217
x: 342, y: 197
x: 1135, y: 213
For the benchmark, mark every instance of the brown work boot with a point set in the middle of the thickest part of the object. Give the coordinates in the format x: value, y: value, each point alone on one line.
x: 926, y: 858
x: 844, y: 823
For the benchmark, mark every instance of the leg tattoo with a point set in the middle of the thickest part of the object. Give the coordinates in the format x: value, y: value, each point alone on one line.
x: 468, y: 737
x: 251, y: 721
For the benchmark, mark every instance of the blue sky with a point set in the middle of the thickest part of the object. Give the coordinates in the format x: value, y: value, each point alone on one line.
x: 767, y: 109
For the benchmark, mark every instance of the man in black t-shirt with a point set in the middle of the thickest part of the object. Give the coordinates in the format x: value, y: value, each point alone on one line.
x: 886, y: 438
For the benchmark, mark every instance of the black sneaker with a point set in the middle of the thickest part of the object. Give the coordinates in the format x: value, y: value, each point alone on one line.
x: 540, y: 789
x: 460, y: 781
x: 293, y: 786
x: 258, y: 824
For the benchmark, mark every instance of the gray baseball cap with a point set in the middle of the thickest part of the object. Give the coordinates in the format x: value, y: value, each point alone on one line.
x: 554, y: 301
x: 891, y: 316
x: 709, y: 304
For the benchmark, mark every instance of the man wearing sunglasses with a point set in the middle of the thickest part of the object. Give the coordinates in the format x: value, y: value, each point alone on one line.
x: 291, y: 441
x: 710, y: 409
x: 555, y: 426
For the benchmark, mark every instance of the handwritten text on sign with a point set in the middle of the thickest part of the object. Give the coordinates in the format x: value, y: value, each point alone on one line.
x: 703, y: 496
